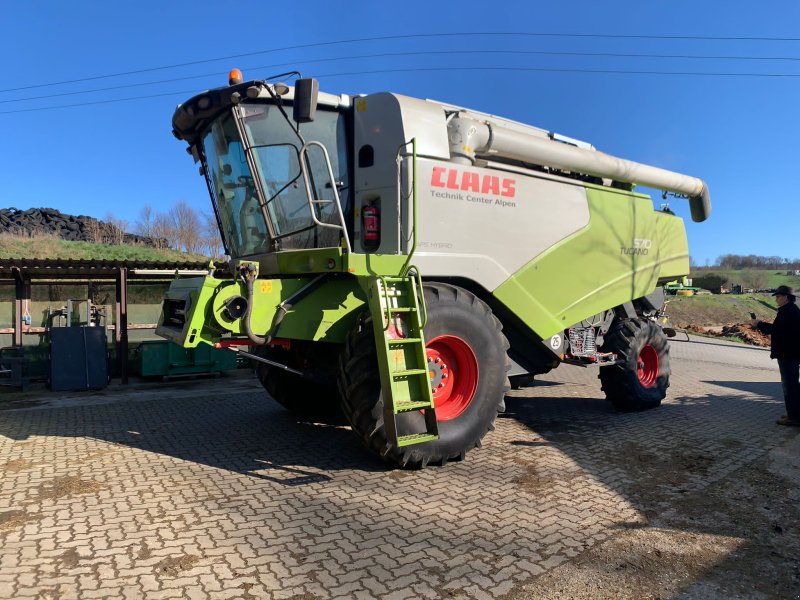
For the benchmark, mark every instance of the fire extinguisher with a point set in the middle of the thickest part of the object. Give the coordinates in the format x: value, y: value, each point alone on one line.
x: 370, y: 227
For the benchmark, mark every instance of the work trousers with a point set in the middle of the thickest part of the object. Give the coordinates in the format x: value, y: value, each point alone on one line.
x: 790, y: 378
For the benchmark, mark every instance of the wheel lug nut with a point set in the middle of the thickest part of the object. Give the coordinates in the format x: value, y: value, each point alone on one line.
x: 444, y: 375
x: 441, y: 385
x: 438, y: 360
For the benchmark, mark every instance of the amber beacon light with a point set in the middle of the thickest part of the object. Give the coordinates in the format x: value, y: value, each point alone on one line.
x: 235, y: 77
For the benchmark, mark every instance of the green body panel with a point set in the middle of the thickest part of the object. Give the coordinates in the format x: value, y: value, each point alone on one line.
x: 300, y: 262
x: 327, y: 314
x: 621, y: 255
x: 387, y: 265
x: 328, y: 260
x: 196, y: 293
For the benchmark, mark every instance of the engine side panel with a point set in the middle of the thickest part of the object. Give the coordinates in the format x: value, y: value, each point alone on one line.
x: 622, y: 254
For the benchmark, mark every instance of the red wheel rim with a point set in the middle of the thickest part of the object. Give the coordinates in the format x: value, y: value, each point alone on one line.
x: 453, y: 371
x: 647, y: 367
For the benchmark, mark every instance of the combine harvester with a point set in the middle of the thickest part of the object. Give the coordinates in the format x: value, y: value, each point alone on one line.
x: 404, y: 258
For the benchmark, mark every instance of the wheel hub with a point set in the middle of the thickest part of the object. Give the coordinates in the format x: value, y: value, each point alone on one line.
x: 453, y: 373
x: 438, y: 372
x: 647, y: 366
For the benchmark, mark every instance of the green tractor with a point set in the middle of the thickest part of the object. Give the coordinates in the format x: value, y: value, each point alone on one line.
x: 407, y: 260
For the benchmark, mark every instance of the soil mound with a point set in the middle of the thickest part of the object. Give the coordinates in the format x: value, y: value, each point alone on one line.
x: 742, y: 331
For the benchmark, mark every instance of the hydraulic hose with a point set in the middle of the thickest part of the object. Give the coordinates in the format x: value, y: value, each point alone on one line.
x: 256, y: 339
x: 249, y: 274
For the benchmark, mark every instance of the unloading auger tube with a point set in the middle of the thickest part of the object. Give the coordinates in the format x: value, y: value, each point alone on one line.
x: 469, y: 137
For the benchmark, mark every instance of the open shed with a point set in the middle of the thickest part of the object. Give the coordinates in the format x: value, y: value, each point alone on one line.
x: 24, y: 274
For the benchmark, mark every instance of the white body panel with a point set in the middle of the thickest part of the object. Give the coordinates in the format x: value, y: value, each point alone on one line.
x: 384, y: 122
x: 486, y: 224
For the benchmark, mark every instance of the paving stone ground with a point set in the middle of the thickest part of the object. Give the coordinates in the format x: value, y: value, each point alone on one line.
x: 207, y: 489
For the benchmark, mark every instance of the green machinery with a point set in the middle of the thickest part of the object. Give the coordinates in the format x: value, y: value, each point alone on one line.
x: 409, y: 260
x: 160, y: 358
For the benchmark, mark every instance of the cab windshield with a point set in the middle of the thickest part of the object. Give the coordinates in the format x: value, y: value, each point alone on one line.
x: 282, y: 218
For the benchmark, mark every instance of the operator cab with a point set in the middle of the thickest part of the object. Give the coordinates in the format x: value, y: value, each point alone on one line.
x: 278, y: 182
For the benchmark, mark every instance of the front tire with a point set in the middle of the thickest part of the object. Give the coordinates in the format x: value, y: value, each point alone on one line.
x: 467, y: 358
x: 307, y: 399
x: 641, y: 379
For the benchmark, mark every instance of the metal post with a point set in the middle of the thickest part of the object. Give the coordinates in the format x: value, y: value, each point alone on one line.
x: 23, y: 292
x: 121, y: 323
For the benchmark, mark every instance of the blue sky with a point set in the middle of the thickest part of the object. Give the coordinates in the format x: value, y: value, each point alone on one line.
x: 738, y: 133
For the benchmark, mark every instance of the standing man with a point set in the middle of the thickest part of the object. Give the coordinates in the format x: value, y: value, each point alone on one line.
x: 785, y: 332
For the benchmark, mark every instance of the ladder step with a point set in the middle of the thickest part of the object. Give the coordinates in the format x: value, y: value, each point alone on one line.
x: 409, y: 372
x: 415, y: 438
x: 404, y: 341
x: 401, y: 309
x: 407, y: 406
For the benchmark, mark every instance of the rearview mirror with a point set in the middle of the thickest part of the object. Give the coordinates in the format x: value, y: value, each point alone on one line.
x: 306, y: 92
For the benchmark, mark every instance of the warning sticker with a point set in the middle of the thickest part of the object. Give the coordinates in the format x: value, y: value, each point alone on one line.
x: 266, y: 286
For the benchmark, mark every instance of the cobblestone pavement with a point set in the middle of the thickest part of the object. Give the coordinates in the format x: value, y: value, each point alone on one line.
x: 208, y: 489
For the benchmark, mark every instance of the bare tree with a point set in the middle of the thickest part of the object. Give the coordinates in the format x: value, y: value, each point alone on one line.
x: 144, y: 224
x: 187, y: 227
x: 164, y: 232
x: 211, y: 241
x: 95, y: 231
x: 115, y: 229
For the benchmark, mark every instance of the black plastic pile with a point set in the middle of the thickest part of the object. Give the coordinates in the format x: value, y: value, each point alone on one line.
x: 50, y: 221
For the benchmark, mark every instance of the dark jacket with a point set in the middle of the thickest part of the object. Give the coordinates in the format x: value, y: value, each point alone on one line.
x: 785, y: 332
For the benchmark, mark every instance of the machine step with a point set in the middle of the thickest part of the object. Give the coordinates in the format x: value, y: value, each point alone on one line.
x: 393, y: 341
x: 416, y: 438
x: 409, y: 372
x: 401, y: 407
x: 402, y: 362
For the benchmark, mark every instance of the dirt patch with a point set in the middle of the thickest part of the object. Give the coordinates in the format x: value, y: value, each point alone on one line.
x: 17, y: 465
x: 532, y: 481
x: 400, y: 474
x: 742, y: 331
x: 69, y: 559
x: 61, y: 487
x: 637, y: 564
x: 144, y: 552
x: 175, y: 565
x: 11, y: 519
x: 651, y: 470
x: 736, y: 538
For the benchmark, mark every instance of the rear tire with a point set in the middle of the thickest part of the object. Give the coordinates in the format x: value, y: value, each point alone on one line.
x: 641, y: 380
x: 306, y: 399
x: 461, y: 331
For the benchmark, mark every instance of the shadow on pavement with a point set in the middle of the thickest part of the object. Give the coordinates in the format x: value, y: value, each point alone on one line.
x: 771, y: 389
x: 241, y: 430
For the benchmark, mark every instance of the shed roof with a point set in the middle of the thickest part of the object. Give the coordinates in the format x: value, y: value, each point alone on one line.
x: 52, y: 269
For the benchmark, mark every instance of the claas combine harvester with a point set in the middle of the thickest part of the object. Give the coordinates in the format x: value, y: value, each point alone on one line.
x: 408, y: 260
